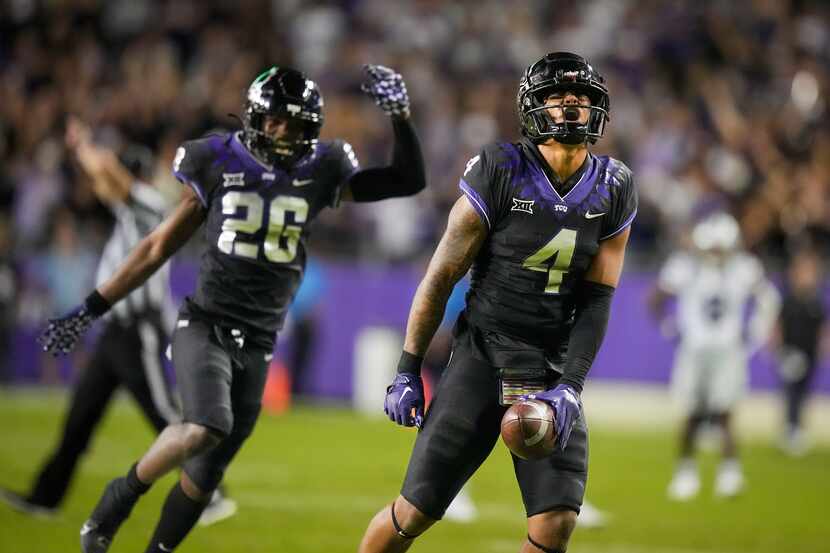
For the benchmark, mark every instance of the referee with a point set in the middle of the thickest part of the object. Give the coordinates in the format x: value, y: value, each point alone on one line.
x: 136, y: 332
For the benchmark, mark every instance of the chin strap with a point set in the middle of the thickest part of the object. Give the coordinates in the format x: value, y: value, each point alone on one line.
x: 401, y: 532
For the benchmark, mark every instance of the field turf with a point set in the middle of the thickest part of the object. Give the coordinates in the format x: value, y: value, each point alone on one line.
x: 309, y: 481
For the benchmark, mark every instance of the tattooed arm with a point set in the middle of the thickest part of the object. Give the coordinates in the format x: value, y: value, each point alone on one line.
x: 460, y: 244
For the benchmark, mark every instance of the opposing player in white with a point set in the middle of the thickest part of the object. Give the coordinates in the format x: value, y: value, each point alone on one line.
x: 716, y: 283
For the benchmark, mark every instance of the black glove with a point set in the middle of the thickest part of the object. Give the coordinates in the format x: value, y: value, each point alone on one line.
x: 63, y: 333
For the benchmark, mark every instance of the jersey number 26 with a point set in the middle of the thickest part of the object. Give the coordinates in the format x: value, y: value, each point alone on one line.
x: 254, y: 219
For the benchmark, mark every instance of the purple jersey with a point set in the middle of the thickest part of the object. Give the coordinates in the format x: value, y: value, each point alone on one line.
x: 257, y: 224
x: 542, y: 238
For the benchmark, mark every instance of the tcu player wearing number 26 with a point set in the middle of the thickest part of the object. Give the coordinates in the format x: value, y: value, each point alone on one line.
x: 256, y: 191
x: 544, y: 225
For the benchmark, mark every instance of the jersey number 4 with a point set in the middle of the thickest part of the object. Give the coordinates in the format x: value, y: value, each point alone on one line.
x: 278, y: 232
x: 561, y: 248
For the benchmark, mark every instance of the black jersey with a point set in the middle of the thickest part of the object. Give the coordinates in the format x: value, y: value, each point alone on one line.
x: 540, y: 243
x: 257, y: 224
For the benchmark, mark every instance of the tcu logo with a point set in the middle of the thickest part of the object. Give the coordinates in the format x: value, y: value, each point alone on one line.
x: 562, y: 208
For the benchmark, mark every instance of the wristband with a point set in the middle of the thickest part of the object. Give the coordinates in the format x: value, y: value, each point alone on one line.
x: 410, y: 363
x: 96, y: 304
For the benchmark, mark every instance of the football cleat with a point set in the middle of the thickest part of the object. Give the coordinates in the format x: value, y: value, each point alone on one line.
x: 730, y: 479
x: 462, y: 509
x: 686, y: 483
x: 93, y: 539
x: 24, y: 505
x: 591, y: 517
x: 112, y: 509
x: 219, y: 508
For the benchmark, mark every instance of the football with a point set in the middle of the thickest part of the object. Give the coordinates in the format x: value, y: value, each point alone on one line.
x: 528, y: 429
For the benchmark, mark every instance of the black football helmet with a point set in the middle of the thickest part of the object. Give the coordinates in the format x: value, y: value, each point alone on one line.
x: 286, y: 93
x: 561, y: 71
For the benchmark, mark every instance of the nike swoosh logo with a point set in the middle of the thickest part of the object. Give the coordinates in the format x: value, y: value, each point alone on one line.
x: 298, y: 182
x: 86, y: 529
x: 405, y: 391
x: 165, y: 548
x: 590, y: 215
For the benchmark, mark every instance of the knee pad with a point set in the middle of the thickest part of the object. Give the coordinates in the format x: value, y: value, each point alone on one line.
x: 541, y: 547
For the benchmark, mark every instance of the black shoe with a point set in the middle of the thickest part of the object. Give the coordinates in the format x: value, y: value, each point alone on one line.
x: 23, y: 505
x: 93, y: 540
x: 112, y: 509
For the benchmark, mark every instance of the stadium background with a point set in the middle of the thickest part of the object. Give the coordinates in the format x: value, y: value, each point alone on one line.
x: 713, y: 104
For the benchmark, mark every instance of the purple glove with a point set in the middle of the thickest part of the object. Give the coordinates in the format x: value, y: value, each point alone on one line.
x: 567, y: 408
x: 406, y: 392
x: 63, y: 333
x: 387, y: 89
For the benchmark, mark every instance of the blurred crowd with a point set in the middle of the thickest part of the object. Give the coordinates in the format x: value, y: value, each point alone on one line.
x: 713, y: 104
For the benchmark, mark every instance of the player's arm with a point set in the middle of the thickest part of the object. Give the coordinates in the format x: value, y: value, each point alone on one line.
x: 462, y: 240
x: 156, y: 248
x: 658, y: 298
x: 111, y: 181
x: 150, y: 254
x: 405, y: 176
x: 767, y: 305
x: 458, y: 248
x: 593, y: 306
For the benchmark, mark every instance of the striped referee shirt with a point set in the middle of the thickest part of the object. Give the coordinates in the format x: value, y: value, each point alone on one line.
x: 135, y: 218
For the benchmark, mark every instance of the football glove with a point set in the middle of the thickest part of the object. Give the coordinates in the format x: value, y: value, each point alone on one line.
x: 567, y: 408
x: 405, y: 394
x: 387, y: 89
x: 64, y: 332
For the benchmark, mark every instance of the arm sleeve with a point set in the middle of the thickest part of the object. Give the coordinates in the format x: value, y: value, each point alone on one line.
x: 346, y: 166
x: 623, y: 204
x: 404, y: 177
x: 593, y: 307
x: 484, y: 184
x: 189, y: 167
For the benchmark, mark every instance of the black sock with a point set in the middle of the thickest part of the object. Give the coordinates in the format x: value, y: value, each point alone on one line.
x: 178, y: 516
x: 136, y: 486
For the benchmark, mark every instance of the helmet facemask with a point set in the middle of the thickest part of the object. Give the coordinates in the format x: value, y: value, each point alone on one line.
x: 283, y: 151
x: 282, y: 94
x: 562, y: 72
x: 567, y: 129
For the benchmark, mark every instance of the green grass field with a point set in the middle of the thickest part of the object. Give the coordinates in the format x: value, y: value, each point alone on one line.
x: 310, y: 480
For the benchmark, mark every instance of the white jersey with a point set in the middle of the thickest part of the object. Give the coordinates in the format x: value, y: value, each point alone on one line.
x: 714, y: 298
x: 135, y: 218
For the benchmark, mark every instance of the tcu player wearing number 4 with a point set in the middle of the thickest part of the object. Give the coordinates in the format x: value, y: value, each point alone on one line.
x: 256, y: 191
x: 544, y: 225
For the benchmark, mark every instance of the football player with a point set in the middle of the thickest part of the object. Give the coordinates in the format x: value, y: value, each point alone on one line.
x: 714, y: 284
x: 255, y: 192
x: 131, y: 345
x: 544, y: 225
